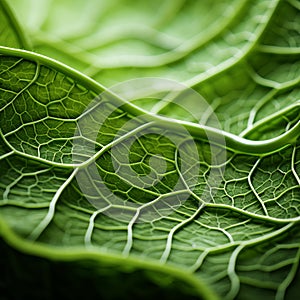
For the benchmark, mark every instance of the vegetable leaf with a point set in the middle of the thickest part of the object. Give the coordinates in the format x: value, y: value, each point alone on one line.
x: 199, y: 196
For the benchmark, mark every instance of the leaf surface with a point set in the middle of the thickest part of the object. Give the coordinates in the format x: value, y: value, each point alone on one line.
x: 209, y: 199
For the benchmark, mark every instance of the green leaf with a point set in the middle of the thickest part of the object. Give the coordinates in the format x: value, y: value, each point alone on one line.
x: 194, y: 195
x: 120, y: 40
x: 11, y: 34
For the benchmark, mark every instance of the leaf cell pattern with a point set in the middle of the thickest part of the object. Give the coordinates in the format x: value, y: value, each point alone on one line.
x: 242, y: 238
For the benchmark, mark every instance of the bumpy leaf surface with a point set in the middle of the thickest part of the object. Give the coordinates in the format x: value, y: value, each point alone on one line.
x: 158, y: 211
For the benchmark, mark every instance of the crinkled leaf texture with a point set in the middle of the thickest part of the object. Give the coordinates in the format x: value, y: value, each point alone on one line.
x: 242, y: 242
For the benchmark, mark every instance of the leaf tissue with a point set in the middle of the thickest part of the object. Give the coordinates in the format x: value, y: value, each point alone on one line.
x: 150, y: 149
